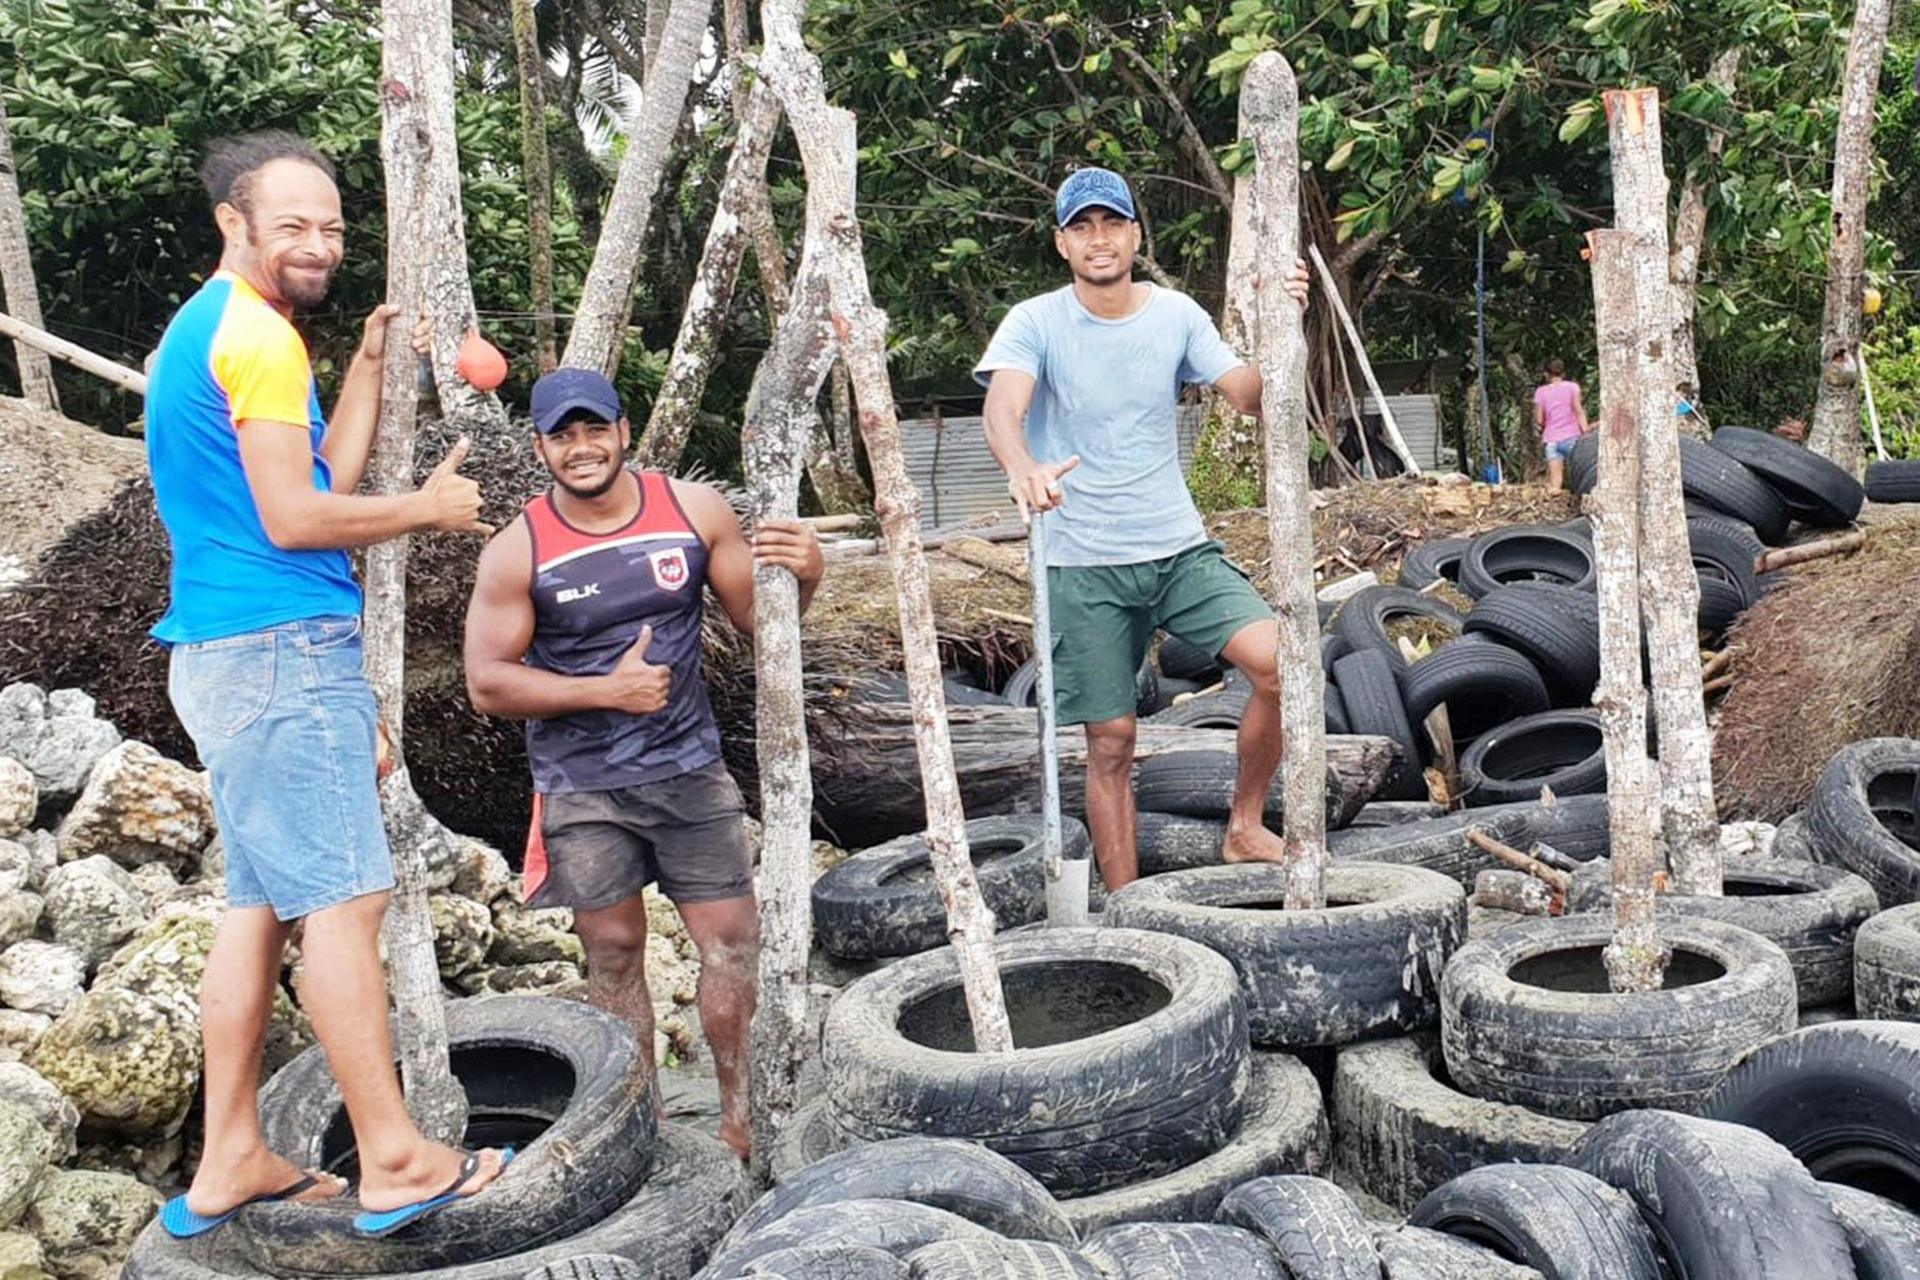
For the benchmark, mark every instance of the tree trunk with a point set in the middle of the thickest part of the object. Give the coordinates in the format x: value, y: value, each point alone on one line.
x: 779, y: 421
x: 538, y: 168
x: 599, y: 324
x: 830, y: 462
x: 1689, y: 241
x: 423, y: 203
x: 711, y: 298
x: 1233, y: 439
x: 827, y: 148
x: 17, y: 286
x: 1670, y: 591
x: 657, y: 17
x: 1835, y: 430
x: 1636, y: 959
x: 1270, y: 116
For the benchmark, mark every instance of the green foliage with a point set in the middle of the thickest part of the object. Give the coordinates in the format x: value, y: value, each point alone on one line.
x: 1215, y: 483
x: 1893, y: 362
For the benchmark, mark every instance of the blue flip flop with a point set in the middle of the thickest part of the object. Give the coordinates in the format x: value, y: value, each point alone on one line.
x: 388, y: 1221
x: 183, y: 1223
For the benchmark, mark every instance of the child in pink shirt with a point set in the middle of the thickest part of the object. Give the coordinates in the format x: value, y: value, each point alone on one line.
x: 1562, y: 419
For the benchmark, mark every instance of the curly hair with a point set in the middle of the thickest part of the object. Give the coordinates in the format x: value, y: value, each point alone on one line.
x: 233, y: 162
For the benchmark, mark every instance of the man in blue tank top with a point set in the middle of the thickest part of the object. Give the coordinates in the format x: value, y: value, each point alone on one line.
x: 585, y: 622
x: 1082, y: 387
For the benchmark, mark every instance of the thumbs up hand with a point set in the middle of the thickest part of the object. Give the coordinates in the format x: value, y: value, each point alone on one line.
x: 452, y: 500
x: 637, y: 686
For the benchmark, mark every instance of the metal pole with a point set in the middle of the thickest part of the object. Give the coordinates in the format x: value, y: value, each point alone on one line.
x: 1067, y: 880
x: 1480, y: 350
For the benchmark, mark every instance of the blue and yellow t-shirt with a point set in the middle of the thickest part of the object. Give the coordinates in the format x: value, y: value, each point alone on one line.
x: 228, y: 356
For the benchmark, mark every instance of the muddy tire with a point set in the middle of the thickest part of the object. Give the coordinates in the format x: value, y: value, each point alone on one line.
x: 1482, y: 686
x: 1376, y: 957
x: 1175, y: 1251
x: 1565, y: 1224
x: 1717, y: 480
x: 883, y: 902
x: 1893, y: 482
x: 696, y: 1189
x: 1416, y: 1253
x: 1174, y: 842
x: 524, y: 1055
x: 1575, y: 825
x: 1790, y: 839
x: 1884, y: 1237
x: 1362, y: 621
x: 1401, y: 1130
x: 1395, y: 813
x: 1557, y: 627
x: 961, y: 1177
x: 1725, y: 1202
x: 1815, y: 491
x: 1218, y: 710
x: 829, y: 1262
x: 1840, y: 1097
x: 810, y: 1137
x: 1861, y: 816
x: 1134, y: 1062
x: 1433, y: 560
x: 592, y: 1266
x: 1573, y: 1049
x: 1283, y: 1129
x: 898, y: 1227
x: 1370, y: 691
x: 1886, y: 965
x: 1809, y: 911
x: 1000, y: 1260
x: 1199, y: 784
x: 1559, y: 750
x: 1312, y: 1224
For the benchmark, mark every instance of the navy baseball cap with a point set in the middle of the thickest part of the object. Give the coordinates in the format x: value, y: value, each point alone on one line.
x: 1085, y: 188
x: 566, y: 392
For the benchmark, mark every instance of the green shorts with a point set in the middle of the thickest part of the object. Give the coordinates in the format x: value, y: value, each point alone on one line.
x: 1104, y: 617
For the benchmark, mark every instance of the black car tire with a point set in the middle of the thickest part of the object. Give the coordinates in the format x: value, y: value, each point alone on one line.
x: 1565, y: 1224
x: 1558, y: 627
x: 1561, y: 751
x: 1861, y: 816
x: 1719, y: 481
x: 1886, y: 965
x: 1177, y: 1250
x: 1311, y: 1223
x: 1814, y: 490
x: 1482, y: 686
x: 1527, y: 553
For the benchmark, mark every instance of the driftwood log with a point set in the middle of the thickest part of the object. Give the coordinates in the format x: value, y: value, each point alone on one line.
x: 868, y: 778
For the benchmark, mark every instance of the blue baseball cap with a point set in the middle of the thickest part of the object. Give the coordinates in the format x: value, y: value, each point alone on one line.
x: 566, y: 392
x: 1085, y: 188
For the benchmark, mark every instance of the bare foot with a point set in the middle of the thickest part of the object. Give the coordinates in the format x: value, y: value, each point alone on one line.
x: 225, y: 1181
x: 427, y: 1172
x: 734, y: 1134
x: 1252, y: 843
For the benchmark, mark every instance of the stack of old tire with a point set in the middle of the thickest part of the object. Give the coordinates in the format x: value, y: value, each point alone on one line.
x: 596, y: 1172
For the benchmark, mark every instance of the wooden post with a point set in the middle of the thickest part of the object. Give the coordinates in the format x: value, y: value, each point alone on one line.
x: 826, y: 138
x: 537, y: 170
x: 34, y: 337
x: 1366, y: 366
x: 1636, y: 959
x: 599, y: 323
x: 18, y: 289
x: 422, y: 174
x: 1835, y: 429
x: 1670, y: 593
x: 1270, y: 103
x: 711, y: 297
x: 779, y: 421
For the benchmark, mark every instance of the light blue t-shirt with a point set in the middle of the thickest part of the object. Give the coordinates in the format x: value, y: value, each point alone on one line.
x: 1107, y: 390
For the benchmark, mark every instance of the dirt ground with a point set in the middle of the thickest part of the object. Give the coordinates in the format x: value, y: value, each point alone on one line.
x: 54, y: 471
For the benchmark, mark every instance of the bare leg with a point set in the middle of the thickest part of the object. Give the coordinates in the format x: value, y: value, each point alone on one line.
x: 1556, y: 474
x: 236, y: 1002
x: 345, y: 993
x: 1254, y: 649
x: 1110, y: 816
x: 615, y: 938
x: 728, y: 935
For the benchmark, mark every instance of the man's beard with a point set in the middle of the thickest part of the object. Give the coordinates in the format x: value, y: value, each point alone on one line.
x: 300, y: 291
x: 588, y: 494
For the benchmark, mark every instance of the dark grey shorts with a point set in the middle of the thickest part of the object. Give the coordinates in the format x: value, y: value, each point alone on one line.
x: 592, y: 849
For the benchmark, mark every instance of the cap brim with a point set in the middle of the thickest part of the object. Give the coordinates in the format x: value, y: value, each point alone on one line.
x: 557, y: 415
x: 1097, y: 203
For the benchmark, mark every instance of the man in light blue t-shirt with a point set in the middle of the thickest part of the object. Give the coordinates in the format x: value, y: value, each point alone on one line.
x: 1082, y: 385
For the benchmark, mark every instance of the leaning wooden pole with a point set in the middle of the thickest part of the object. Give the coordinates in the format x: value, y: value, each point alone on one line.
x: 1270, y: 112
x: 826, y: 138
x: 1670, y: 592
x: 1352, y: 330
x: 34, y: 337
x: 17, y: 286
x: 1636, y: 959
x: 779, y: 422
x: 417, y: 80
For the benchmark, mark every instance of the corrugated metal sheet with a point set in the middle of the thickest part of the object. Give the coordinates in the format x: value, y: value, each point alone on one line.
x: 960, y: 483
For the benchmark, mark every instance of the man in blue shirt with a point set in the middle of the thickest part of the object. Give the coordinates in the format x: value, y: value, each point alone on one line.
x: 1082, y: 387
x: 256, y: 491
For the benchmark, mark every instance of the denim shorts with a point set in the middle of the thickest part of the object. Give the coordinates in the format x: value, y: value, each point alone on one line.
x: 1557, y: 450
x: 284, y: 721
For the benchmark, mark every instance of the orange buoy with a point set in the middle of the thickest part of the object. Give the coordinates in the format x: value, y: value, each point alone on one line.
x: 480, y: 362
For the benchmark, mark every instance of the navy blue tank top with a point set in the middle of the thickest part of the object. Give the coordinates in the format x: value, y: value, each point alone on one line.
x: 592, y: 592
